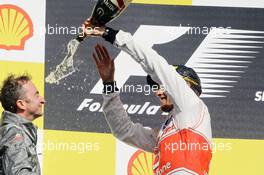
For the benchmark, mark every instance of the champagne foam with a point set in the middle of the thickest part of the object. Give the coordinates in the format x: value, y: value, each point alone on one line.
x: 66, y: 67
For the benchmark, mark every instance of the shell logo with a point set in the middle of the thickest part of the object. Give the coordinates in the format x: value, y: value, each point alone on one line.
x: 15, y: 27
x: 140, y: 163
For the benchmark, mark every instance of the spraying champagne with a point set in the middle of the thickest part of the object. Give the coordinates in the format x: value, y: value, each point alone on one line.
x: 104, y: 12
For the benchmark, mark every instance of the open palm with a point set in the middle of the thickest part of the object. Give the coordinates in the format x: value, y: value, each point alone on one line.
x: 105, y: 65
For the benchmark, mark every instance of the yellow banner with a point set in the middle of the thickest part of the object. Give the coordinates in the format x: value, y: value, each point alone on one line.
x: 79, y: 153
x: 36, y: 70
x: 237, y: 156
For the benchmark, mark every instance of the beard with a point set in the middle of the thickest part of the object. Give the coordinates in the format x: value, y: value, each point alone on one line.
x: 166, y: 107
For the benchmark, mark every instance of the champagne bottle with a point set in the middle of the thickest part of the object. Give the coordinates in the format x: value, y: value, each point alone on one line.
x: 105, y: 11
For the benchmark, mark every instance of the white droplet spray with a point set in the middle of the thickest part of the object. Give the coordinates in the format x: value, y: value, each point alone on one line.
x: 66, y: 67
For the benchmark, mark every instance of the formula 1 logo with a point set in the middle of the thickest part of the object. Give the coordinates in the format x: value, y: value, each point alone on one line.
x: 220, y: 60
x: 15, y: 27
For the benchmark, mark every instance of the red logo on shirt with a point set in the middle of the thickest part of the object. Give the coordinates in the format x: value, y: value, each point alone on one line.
x: 184, y: 150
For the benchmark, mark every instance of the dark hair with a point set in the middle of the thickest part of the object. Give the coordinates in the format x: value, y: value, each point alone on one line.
x: 188, y: 74
x: 191, y: 76
x: 11, y: 91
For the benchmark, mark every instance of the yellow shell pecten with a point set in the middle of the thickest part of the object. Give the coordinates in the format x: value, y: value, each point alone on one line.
x: 15, y: 27
x: 140, y: 163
